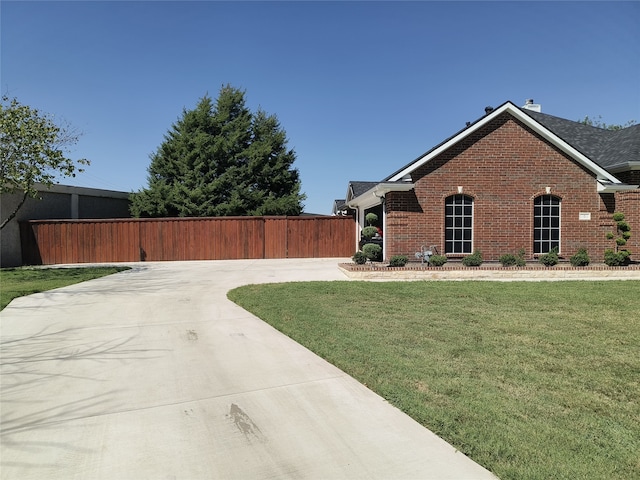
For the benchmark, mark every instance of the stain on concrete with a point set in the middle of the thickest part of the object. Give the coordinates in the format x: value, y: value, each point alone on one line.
x: 246, y: 426
x: 192, y: 335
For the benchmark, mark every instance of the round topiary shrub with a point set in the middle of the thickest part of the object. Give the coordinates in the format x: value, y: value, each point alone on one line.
x: 359, y: 258
x: 398, y: 261
x: 437, y: 260
x: 372, y: 251
x: 580, y: 258
x: 369, y: 232
x: 473, y: 260
x: 371, y: 218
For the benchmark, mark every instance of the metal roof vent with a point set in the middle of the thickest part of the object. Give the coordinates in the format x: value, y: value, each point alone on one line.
x: 529, y: 105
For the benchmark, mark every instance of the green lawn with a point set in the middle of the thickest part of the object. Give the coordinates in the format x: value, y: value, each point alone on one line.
x: 535, y: 380
x: 17, y: 282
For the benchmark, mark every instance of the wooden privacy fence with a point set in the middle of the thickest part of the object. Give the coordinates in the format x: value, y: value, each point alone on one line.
x: 48, y: 242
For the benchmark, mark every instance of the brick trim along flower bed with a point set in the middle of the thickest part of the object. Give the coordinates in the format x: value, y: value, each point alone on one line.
x: 418, y: 271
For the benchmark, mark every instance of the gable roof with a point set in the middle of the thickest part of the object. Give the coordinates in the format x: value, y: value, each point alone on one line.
x: 603, y: 176
x: 358, y: 188
x: 603, y: 152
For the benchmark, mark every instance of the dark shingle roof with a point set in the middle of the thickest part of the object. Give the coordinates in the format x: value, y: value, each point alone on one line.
x: 604, y: 147
x: 358, y: 188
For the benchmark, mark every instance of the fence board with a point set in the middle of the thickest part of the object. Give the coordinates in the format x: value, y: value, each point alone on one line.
x: 50, y: 242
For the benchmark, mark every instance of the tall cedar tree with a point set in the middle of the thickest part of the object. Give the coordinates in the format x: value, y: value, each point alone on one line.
x: 221, y: 160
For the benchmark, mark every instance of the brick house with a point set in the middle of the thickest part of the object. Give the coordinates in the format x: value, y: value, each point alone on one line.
x: 514, y: 179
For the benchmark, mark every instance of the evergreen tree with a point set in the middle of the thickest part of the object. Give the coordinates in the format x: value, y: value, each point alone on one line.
x: 221, y: 160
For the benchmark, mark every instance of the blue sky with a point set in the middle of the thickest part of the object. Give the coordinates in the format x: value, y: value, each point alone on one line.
x: 361, y: 88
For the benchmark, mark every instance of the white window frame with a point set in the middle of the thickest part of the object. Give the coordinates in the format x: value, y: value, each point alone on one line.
x: 458, y: 228
x: 539, y: 244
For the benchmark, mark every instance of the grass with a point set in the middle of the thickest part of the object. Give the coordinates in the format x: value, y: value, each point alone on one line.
x: 17, y: 282
x: 531, y: 380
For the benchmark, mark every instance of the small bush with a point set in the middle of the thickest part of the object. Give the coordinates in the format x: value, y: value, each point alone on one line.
x: 359, y: 258
x: 616, y: 259
x: 372, y: 251
x: 550, y: 259
x: 473, y: 260
x: 437, y: 260
x: 580, y: 258
x: 610, y: 235
x: 618, y: 217
x: 398, y: 261
x: 371, y: 218
x: 620, y: 241
x: 508, y: 260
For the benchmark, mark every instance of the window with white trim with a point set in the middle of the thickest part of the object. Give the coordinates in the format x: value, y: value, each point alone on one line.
x: 546, y: 223
x: 458, y: 219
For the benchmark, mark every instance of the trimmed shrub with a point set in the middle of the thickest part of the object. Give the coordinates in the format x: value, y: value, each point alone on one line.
x: 616, y: 259
x: 473, y: 260
x: 398, y: 261
x: 371, y: 218
x: 623, y: 233
x: 508, y: 260
x: 623, y: 226
x: 359, y: 258
x: 580, y: 258
x: 372, y: 251
x: 550, y: 259
x: 368, y: 232
x: 437, y: 260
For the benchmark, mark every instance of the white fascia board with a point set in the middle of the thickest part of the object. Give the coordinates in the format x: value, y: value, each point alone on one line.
x: 374, y: 195
x: 509, y: 107
x: 615, y: 187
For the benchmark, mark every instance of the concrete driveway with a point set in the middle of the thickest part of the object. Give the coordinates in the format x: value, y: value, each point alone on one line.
x: 153, y: 374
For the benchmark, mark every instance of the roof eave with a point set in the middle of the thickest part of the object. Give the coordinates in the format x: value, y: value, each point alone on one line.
x: 604, y: 187
x: 374, y: 195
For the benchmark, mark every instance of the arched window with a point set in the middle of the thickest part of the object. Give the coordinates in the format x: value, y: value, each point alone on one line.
x: 546, y: 223
x: 458, y: 219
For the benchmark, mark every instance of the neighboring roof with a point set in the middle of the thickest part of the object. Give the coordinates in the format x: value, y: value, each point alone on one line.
x: 86, y: 191
x: 338, y: 206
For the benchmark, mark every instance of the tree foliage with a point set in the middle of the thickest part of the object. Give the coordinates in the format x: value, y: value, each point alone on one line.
x: 599, y: 123
x: 220, y: 160
x: 33, y: 149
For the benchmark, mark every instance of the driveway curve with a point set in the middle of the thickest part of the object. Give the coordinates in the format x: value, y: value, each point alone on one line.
x: 152, y: 373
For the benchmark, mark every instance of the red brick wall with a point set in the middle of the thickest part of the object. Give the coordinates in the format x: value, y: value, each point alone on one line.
x: 504, y: 167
